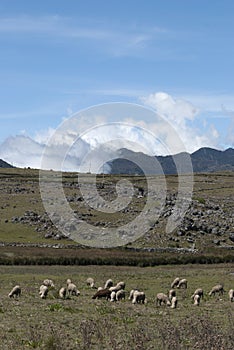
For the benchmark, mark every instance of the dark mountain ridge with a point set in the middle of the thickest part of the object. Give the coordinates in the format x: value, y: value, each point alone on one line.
x: 4, y: 164
x: 203, y: 160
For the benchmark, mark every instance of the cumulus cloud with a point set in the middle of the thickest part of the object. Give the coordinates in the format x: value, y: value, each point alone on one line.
x: 182, y: 115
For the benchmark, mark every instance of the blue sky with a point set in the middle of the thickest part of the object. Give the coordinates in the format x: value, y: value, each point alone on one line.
x: 58, y: 57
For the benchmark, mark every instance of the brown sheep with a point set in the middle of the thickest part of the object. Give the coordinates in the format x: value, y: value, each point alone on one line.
x: 104, y: 293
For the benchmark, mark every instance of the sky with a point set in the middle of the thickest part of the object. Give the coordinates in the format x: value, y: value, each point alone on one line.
x: 60, y: 57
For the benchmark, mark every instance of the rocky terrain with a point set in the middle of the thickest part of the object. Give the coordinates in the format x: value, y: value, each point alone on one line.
x: 207, y: 224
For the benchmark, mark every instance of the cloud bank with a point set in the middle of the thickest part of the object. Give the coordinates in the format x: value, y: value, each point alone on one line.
x: 166, y: 126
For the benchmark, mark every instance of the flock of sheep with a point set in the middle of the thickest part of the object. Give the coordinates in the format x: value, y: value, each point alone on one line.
x: 117, y: 292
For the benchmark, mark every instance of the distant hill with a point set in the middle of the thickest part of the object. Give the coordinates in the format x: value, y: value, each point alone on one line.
x: 4, y: 164
x: 203, y: 160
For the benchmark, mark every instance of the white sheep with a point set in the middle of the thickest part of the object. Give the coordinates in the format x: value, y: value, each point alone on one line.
x: 100, y: 288
x: 175, y: 282
x: 138, y: 297
x: 197, y: 299
x: 62, y: 292
x: 48, y: 283
x: 198, y: 291
x: 90, y: 282
x: 113, y: 296
x: 162, y: 298
x: 118, y: 286
x: 182, y: 283
x: 218, y: 288
x: 15, y: 292
x: 68, y: 281
x: 120, y: 295
x: 43, y: 291
x: 131, y: 293
x: 231, y: 294
x: 72, y: 289
x: 109, y: 283
x: 174, y: 302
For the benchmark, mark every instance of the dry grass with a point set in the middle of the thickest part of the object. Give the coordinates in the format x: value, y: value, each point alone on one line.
x: 82, y: 323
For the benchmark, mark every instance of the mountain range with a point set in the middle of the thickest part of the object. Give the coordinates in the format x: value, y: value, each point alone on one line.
x: 203, y: 160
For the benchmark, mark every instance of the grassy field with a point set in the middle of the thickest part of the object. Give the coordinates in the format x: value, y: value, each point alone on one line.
x: 83, y: 323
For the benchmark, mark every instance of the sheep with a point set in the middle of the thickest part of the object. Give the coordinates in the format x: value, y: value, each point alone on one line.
x: 218, y: 288
x: 171, y: 294
x: 120, y: 295
x: 174, y: 302
x: 68, y: 281
x: 109, y: 283
x: 72, y: 289
x: 132, y: 292
x: 197, y: 299
x: 162, y: 298
x: 175, y: 282
x: 43, y: 291
x: 198, y: 291
x: 138, y: 297
x: 62, y: 293
x: 104, y: 293
x: 118, y: 286
x: 113, y: 296
x: 90, y: 282
x: 182, y: 283
x: 15, y: 292
x: 231, y: 294
x: 48, y: 283
x: 100, y: 288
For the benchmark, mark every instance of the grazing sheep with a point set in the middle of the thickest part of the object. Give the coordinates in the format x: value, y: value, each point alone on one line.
x: 199, y: 292
x: 48, y: 283
x: 174, y: 302
x: 182, y: 283
x: 132, y: 292
x: 119, y: 285
x: 197, y: 299
x: 43, y: 291
x: 90, y: 282
x: 68, y: 281
x: 100, y: 288
x: 113, y: 296
x: 138, y: 297
x: 175, y: 282
x: 109, y: 283
x: 162, y: 298
x: 120, y: 295
x: 62, y: 293
x: 217, y: 289
x: 231, y: 294
x: 15, y: 292
x: 104, y: 293
x: 171, y: 294
x: 72, y: 289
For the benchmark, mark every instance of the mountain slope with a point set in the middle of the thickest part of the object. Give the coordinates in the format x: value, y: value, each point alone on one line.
x: 4, y: 164
x: 203, y: 160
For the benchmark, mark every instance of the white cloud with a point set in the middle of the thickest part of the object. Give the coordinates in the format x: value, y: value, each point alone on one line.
x: 182, y: 115
x: 93, y: 136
